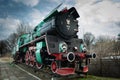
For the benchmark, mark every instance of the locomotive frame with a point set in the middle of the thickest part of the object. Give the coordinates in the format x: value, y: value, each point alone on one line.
x: 54, y: 43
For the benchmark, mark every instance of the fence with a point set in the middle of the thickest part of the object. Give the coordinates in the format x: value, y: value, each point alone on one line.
x: 105, y: 67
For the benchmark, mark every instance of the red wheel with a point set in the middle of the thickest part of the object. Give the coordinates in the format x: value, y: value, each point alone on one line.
x: 31, y: 59
x: 39, y: 66
x: 32, y: 63
x: 54, y: 67
x: 27, y: 58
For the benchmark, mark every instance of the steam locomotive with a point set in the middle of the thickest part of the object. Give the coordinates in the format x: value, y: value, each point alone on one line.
x: 54, y: 43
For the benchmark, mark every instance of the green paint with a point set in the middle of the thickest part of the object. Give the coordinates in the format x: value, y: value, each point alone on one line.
x: 81, y: 47
x: 36, y: 31
x: 23, y: 39
x: 60, y: 47
x: 25, y: 49
x: 39, y: 26
x: 39, y: 45
x: 38, y: 56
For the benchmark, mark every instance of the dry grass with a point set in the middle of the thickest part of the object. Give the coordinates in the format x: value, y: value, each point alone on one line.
x: 6, y: 59
x: 90, y: 77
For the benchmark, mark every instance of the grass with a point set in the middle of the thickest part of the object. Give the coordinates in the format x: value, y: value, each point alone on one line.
x: 90, y: 77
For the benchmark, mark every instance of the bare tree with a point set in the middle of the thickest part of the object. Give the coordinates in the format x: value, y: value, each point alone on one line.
x: 3, y: 47
x: 117, y: 48
x: 105, y: 38
x: 22, y: 28
x: 89, y: 38
x: 11, y: 41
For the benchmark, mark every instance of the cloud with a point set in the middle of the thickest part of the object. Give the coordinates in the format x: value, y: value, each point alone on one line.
x: 65, y: 3
x: 100, y: 17
x: 55, y: 1
x: 7, y: 26
x: 31, y: 3
x: 36, y: 17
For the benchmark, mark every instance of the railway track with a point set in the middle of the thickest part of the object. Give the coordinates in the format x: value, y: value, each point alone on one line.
x: 46, y: 74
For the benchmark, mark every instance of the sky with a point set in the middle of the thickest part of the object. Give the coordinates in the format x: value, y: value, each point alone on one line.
x: 100, y: 17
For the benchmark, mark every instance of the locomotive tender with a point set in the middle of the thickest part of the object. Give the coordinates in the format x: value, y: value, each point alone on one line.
x: 54, y: 43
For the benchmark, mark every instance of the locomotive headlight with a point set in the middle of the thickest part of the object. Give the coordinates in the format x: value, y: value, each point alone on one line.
x: 75, y: 48
x: 62, y: 47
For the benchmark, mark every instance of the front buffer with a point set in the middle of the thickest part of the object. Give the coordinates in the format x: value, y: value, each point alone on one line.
x: 70, y: 63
